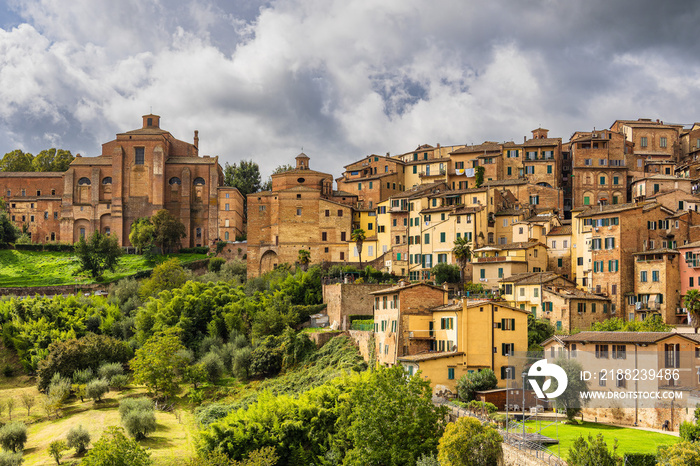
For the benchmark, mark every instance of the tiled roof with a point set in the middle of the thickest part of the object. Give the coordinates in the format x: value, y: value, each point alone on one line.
x: 467, y: 210
x: 505, y: 182
x: 656, y: 251
x: 437, y: 209
x: 194, y: 160
x: 456, y: 192
x: 418, y: 162
x: 695, y: 244
x: 521, y: 245
x: 621, y: 337
x: 542, y: 142
x: 31, y: 174
x: 487, y: 146
x: 428, y: 356
x: 563, y: 230
x: 608, y: 209
x: 418, y: 190
x: 99, y: 160
x: 399, y: 161
x: 396, y: 288
x: 530, y: 278
x: 448, y: 307
x: 573, y: 292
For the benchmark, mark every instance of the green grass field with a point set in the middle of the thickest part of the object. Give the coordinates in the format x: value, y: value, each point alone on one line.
x: 628, y: 440
x: 33, y: 268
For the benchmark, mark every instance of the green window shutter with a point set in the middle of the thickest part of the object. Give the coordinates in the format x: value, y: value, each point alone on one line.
x: 512, y: 324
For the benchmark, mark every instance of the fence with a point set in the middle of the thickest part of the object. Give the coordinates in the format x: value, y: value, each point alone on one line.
x: 536, y: 449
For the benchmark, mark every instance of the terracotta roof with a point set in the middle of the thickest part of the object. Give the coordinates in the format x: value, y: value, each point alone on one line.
x: 563, y: 230
x: 542, y: 142
x: 448, y: 307
x: 573, y: 292
x: 511, y: 211
x: 428, y: 356
x: 418, y: 162
x: 521, y: 245
x: 301, y: 171
x: 656, y: 251
x: 396, y: 288
x: 530, y: 278
x: 456, y: 192
x: 487, y: 146
x: 419, y: 190
x: 343, y: 193
x: 146, y: 131
x: 505, y: 182
x: 621, y: 337
x: 31, y: 174
x: 99, y: 160
x: 467, y: 210
x: 608, y: 209
x: 193, y: 160
x: 437, y: 209
x: 695, y: 244
x: 399, y: 161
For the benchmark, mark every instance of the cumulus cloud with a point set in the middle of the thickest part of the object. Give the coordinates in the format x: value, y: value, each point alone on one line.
x: 342, y: 79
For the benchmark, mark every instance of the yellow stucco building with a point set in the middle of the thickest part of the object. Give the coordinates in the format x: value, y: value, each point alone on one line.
x: 464, y: 337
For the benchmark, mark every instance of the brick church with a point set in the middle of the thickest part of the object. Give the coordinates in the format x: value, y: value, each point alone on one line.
x: 137, y: 174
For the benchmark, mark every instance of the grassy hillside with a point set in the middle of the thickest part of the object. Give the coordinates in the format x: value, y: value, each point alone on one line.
x: 34, y: 268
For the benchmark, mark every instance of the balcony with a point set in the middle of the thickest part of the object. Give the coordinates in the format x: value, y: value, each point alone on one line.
x: 431, y: 174
x: 653, y: 306
x: 695, y: 263
x: 500, y: 259
x: 421, y: 335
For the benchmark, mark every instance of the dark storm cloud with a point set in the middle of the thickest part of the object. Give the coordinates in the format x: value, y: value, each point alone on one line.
x: 343, y: 79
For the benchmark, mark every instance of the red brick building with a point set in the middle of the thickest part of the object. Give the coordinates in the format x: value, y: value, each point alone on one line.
x: 137, y: 174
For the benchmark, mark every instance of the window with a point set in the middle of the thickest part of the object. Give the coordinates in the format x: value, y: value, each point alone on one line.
x: 173, y: 181
x: 663, y: 142
x: 226, y: 207
x: 442, y: 237
x: 427, y: 238
x: 84, y: 181
x: 46, y: 215
x: 500, y: 272
x: 654, y: 275
x: 602, y: 377
x: 324, y: 236
x: 226, y: 235
x: 549, y: 169
x: 451, y: 373
x: 507, y: 372
x: 328, y: 213
x: 299, y: 211
x: 82, y: 233
x: 586, y: 200
x: 609, y: 243
x: 619, y: 352
x: 643, y: 276
x: 139, y: 155
x: 601, y: 351
x: 644, y: 142
x: 199, y: 181
x: 55, y: 215
x: 602, y: 180
x: 507, y: 324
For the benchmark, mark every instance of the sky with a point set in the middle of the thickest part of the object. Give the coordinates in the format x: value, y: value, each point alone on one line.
x: 339, y: 79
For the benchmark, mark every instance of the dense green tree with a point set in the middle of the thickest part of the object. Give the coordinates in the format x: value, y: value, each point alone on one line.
x: 167, y: 275
x: 473, y: 382
x: 616, y: 324
x: 445, y: 273
x: 157, y: 363
x: 8, y: 231
x: 538, y: 330
x: 691, y: 301
x: 244, y: 176
x: 410, y: 424
x: 52, y: 160
x: 66, y: 357
x: 116, y: 449
x: 358, y: 237
x: 99, y: 254
x: 168, y: 230
x: 17, y: 161
x: 7, y: 458
x: 462, y: 253
x: 469, y: 443
x: 592, y: 452
x: 13, y: 436
x: 142, y: 234
x: 96, y: 389
x: 213, y: 366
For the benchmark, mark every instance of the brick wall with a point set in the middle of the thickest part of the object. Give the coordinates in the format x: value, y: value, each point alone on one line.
x: 346, y: 299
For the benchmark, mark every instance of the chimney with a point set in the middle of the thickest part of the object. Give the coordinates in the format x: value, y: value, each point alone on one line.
x: 196, y: 139
x: 524, y: 138
x: 444, y: 287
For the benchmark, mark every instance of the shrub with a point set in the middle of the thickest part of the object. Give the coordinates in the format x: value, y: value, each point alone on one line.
x: 92, y: 324
x: 117, y: 449
x: 13, y: 436
x: 240, y: 363
x: 469, y: 384
x: 83, y: 376
x: 59, y: 389
x: 213, y: 366
x: 68, y: 356
x: 10, y: 459
x: 215, y: 264
x: 56, y: 449
x: 427, y: 460
x: 468, y: 442
x: 109, y: 370
x: 639, y: 459
x: 138, y: 416
x: 119, y: 382
x: 97, y: 388
x: 78, y: 439
x: 8, y: 371
x: 592, y: 451
x: 209, y: 343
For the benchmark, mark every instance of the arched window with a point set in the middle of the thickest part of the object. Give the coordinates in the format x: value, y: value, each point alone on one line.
x: 174, y: 180
x: 199, y: 181
x: 107, y: 180
x: 84, y: 181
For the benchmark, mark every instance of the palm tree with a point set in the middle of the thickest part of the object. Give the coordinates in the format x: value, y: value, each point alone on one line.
x: 691, y: 301
x: 304, y: 259
x: 462, y: 252
x: 358, y: 236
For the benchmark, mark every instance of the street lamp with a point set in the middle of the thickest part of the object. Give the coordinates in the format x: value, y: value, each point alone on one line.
x: 524, y: 374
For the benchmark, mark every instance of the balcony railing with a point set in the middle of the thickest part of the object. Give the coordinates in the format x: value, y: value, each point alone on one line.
x: 693, y: 263
x: 436, y: 173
